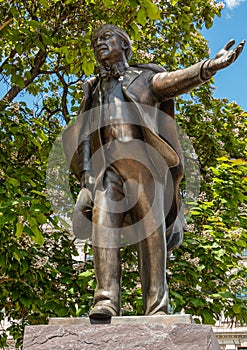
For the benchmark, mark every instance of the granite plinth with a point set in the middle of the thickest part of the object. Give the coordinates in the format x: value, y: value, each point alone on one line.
x: 134, y: 335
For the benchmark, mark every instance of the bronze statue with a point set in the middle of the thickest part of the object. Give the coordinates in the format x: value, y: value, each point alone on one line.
x: 122, y: 101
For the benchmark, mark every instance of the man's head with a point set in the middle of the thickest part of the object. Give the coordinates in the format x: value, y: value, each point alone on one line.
x: 111, y: 44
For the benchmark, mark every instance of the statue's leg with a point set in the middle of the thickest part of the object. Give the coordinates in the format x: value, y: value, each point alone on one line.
x: 152, y: 260
x: 106, y: 248
x: 107, y: 267
x: 152, y: 244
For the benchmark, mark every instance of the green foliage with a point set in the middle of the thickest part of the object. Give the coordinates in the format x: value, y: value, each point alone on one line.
x: 45, y: 56
x: 207, y: 278
x: 36, y: 262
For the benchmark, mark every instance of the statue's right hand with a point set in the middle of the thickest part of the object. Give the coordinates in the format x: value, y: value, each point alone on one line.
x: 225, y: 56
x: 223, y: 59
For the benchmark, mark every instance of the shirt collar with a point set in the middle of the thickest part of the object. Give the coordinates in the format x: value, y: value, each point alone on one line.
x: 115, y: 70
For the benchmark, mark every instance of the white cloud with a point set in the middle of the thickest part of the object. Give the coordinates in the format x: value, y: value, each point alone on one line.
x: 233, y: 3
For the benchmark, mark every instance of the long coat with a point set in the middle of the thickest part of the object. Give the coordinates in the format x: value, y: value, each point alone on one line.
x: 159, y: 132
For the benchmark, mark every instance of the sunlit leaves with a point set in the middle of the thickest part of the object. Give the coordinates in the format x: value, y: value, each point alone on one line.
x: 216, y: 230
x: 152, y: 9
x: 31, y: 256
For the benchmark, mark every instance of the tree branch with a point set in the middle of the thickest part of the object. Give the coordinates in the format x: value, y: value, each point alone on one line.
x: 35, y: 71
x: 64, y: 98
x: 55, y: 70
x: 50, y: 112
x: 6, y: 23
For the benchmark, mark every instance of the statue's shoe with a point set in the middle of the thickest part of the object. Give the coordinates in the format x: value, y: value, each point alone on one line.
x: 102, y: 311
x: 159, y: 313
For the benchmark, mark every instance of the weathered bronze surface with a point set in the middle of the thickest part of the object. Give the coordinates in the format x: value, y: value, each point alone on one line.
x: 140, y: 163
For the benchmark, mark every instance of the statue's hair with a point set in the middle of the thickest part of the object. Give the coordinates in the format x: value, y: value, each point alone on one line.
x: 119, y: 31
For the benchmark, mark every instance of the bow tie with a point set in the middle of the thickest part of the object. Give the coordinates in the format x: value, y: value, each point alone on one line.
x: 115, y: 71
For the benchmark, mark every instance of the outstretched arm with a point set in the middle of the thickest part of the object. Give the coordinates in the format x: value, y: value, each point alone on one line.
x: 167, y: 85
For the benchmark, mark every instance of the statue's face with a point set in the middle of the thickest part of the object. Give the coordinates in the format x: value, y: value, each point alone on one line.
x: 108, y: 48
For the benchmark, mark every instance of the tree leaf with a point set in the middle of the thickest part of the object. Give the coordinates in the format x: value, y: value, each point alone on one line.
x: 152, y: 9
x: 19, y: 230
x: 236, y: 309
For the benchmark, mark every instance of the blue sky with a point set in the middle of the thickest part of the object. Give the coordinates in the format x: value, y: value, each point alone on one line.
x: 230, y: 83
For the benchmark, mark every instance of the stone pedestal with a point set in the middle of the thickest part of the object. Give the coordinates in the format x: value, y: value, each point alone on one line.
x: 137, y: 333
x: 161, y: 319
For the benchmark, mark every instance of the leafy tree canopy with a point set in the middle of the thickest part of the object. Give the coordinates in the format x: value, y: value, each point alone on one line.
x: 45, y: 57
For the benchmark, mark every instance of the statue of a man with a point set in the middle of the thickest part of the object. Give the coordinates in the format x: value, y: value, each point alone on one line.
x: 123, y: 180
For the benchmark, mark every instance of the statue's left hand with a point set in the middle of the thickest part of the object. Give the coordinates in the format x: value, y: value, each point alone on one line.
x: 224, y: 58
